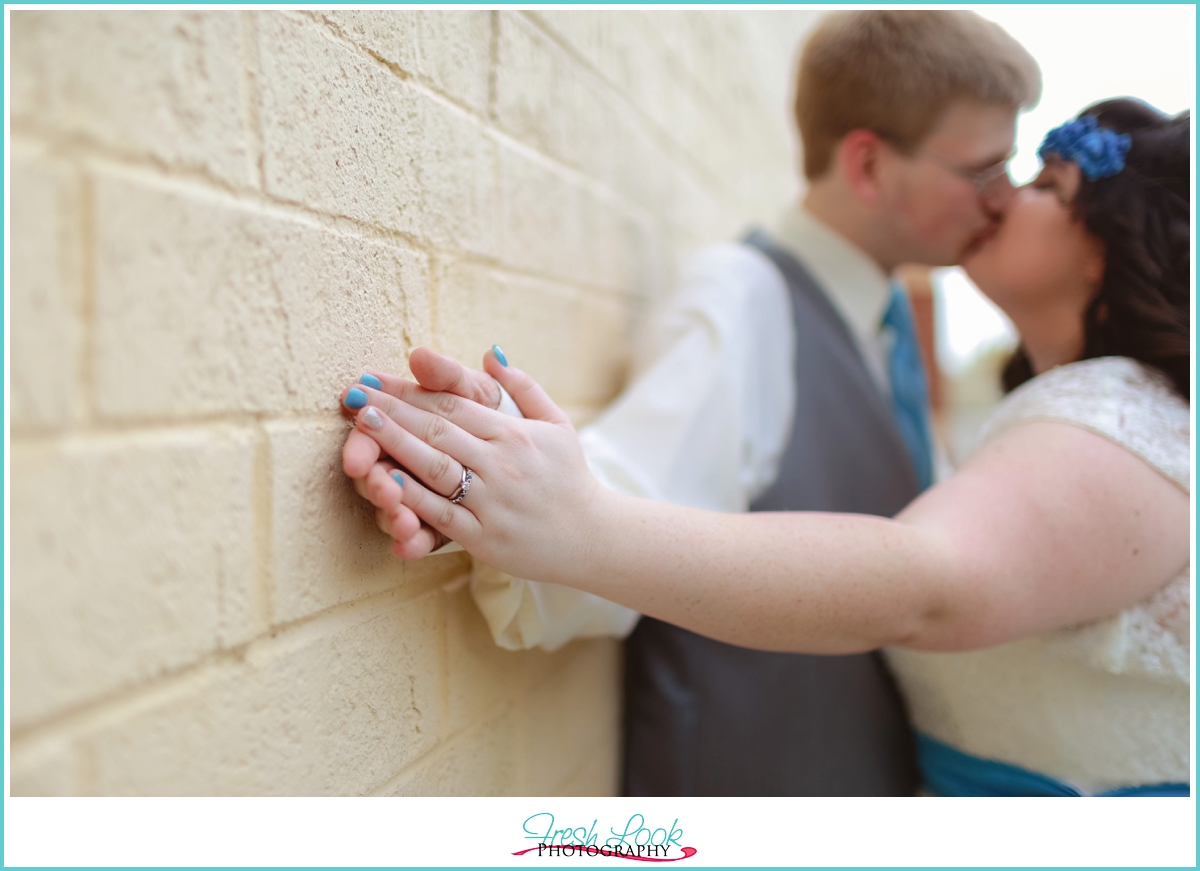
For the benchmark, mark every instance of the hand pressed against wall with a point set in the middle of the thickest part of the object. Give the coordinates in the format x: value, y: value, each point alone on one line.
x: 436, y: 435
x: 376, y: 475
x: 1048, y: 525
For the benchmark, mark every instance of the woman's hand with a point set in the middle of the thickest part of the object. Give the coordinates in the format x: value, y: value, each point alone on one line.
x: 375, y: 474
x: 1048, y: 525
x: 531, y: 505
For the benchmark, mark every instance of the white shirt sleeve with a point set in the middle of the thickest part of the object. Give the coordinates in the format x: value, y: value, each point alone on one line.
x: 703, y: 423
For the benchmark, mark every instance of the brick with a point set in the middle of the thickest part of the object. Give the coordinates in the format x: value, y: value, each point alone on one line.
x: 554, y: 225
x: 535, y: 202
x: 746, y: 62
x: 729, y: 121
x: 206, y: 306
x: 547, y: 100
x: 481, y: 761
x: 574, y: 343
x: 716, y: 115
x: 692, y: 38
x: 449, y: 51
x: 335, y: 707
x: 131, y: 556
x: 325, y: 546
x: 712, y: 50
x: 613, y: 45
x: 46, y: 330
x: 163, y: 84
x: 573, y: 716
x: 702, y: 182
x: 626, y: 50
x: 698, y: 210
x: 748, y: 79
x: 550, y: 102
x: 599, y: 776
x: 480, y: 674
x: 45, y: 768
x: 343, y: 134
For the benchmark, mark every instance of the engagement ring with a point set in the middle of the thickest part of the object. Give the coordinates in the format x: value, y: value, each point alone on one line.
x: 459, y: 494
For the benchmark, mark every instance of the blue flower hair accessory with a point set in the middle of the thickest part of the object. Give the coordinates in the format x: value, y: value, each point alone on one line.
x: 1100, y: 152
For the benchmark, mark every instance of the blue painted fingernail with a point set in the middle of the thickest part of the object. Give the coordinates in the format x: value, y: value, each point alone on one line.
x: 398, y: 478
x: 500, y: 356
x: 371, y: 381
x: 355, y: 398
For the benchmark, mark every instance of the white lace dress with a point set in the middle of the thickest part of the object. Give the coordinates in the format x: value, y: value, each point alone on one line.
x: 1102, y: 705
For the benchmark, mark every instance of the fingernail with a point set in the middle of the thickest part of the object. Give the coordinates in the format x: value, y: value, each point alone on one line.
x: 500, y: 356
x: 373, y: 419
x: 371, y: 381
x: 398, y: 478
x: 355, y: 398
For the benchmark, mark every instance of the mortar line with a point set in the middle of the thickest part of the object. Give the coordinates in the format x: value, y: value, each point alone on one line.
x: 695, y: 85
x: 202, y: 185
x: 73, y: 721
x: 418, y: 84
x: 575, y: 772
x: 486, y: 718
x: 85, y: 768
x: 485, y: 121
x: 252, y: 98
x: 555, y: 283
x: 276, y: 206
x: 443, y: 608
x: 149, y: 426
x: 521, y: 737
x: 433, y: 287
x: 332, y: 29
x: 86, y: 277
x: 100, y: 430
x: 280, y: 209
x: 411, y: 78
x: 82, y: 147
x: 664, y: 139
x: 493, y: 63
x: 263, y: 517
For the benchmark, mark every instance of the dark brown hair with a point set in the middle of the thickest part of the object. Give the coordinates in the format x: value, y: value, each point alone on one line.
x: 896, y: 71
x: 1141, y: 214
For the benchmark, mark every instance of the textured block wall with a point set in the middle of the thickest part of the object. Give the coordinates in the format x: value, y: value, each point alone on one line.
x: 220, y: 218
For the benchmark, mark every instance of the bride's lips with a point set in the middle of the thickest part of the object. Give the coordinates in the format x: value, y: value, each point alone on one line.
x: 981, y: 238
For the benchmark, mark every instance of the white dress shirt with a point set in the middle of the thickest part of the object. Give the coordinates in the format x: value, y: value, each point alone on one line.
x: 707, y: 414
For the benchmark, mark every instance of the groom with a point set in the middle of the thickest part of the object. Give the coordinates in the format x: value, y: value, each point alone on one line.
x: 787, y: 377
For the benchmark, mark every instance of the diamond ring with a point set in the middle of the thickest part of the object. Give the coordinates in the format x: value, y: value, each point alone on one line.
x: 465, y: 485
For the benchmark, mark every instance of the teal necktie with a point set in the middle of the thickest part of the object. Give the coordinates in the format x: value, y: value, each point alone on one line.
x: 910, y: 393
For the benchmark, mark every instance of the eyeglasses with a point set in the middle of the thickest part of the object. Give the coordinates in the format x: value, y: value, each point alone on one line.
x: 980, y: 180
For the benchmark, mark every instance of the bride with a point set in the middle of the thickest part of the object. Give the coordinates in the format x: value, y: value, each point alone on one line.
x: 1034, y: 607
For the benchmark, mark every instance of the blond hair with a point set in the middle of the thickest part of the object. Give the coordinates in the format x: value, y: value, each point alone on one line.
x: 895, y: 72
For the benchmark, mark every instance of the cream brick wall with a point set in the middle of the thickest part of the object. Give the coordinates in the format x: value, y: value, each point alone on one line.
x: 221, y: 218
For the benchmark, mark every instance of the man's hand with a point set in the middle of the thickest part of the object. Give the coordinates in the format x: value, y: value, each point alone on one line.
x: 534, y: 507
x: 372, y: 471
x: 443, y: 374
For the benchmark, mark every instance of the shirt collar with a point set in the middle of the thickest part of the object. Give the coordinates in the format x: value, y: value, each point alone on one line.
x: 858, y: 288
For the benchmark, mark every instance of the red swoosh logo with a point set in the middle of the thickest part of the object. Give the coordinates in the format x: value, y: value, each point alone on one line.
x: 688, y: 852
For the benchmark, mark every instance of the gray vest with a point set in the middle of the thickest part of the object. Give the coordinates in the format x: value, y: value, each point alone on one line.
x: 707, y: 718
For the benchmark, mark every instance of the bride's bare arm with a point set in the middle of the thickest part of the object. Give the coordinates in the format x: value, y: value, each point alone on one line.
x: 1048, y: 525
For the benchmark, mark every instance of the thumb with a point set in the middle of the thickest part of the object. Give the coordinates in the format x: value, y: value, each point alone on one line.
x: 438, y: 373
x: 526, y: 393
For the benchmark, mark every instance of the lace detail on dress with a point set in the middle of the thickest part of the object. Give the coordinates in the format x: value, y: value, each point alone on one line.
x: 1135, y: 407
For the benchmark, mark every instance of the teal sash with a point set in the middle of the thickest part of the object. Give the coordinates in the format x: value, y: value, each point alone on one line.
x: 947, y: 771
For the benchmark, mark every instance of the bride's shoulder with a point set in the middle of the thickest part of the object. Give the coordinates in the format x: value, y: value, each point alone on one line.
x: 1126, y: 401
x: 1112, y: 381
